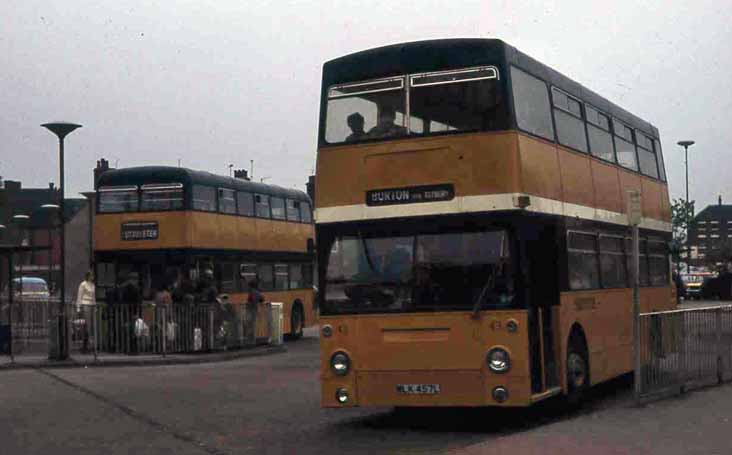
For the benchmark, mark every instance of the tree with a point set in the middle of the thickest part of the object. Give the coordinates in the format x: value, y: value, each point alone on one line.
x: 682, y: 218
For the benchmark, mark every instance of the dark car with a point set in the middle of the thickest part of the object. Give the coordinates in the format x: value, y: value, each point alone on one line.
x: 718, y: 288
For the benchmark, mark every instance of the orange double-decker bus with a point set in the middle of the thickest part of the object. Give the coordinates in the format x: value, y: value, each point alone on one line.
x: 168, y: 224
x: 471, y: 228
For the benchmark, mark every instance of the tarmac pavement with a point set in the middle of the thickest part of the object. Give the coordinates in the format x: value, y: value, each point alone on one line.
x: 271, y: 405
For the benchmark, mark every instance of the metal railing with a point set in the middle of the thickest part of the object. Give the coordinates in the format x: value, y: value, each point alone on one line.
x: 31, y: 328
x: 684, y: 349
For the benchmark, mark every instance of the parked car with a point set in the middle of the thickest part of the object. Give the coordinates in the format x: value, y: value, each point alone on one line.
x: 28, y: 289
x: 693, y: 282
x: 717, y: 288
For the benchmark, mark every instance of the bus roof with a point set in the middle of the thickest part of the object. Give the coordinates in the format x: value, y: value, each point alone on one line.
x: 169, y: 174
x: 444, y: 54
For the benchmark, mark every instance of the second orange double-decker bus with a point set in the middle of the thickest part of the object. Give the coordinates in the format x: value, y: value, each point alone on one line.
x: 471, y: 227
x: 164, y: 223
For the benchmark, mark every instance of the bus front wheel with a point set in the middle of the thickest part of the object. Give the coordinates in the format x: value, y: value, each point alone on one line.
x: 578, y: 377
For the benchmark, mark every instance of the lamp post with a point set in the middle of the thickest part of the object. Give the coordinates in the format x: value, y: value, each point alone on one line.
x: 686, y: 145
x: 61, y: 130
x: 51, y: 225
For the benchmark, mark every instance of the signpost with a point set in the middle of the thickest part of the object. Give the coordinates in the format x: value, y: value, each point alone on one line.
x: 634, y: 211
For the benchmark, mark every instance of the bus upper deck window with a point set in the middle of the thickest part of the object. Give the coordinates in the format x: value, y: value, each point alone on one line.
x: 204, y: 198
x: 278, y: 208
x: 458, y: 100
x: 227, y: 201
x: 293, y: 210
x: 118, y: 199
x: 366, y: 110
x: 168, y: 196
x: 261, y: 202
x: 307, y: 216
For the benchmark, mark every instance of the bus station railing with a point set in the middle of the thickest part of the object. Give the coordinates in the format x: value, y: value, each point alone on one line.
x: 684, y: 349
x: 31, y: 328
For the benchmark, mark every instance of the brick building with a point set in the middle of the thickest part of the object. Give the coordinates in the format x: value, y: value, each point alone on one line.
x: 41, y: 229
x: 710, y: 233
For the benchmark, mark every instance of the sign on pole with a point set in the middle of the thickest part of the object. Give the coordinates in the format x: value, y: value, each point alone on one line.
x: 634, y: 210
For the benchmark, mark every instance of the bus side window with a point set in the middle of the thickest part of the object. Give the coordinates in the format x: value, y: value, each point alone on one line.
x: 307, y: 275
x: 296, y: 276
x: 583, y: 263
x: 204, y: 198
x: 265, y: 277
x: 278, y: 208
x: 262, y: 205
x: 247, y: 273
x: 281, y: 277
x: 293, y: 210
x: 306, y: 214
x: 245, y: 203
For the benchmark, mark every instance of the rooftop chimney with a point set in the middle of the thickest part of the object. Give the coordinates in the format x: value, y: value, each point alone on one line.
x: 102, y: 167
x: 241, y: 174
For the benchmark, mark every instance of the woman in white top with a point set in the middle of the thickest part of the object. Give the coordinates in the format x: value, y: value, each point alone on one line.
x: 85, y: 298
x: 87, y: 292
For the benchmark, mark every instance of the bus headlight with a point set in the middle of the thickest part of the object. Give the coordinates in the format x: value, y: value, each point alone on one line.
x: 498, y: 360
x: 340, y: 363
x: 341, y: 396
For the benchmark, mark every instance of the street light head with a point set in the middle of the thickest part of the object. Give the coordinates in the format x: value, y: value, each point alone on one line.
x: 2, y: 226
x: 61, y: 129
x: 50, y: 207
x: 685, y: 143
x: 21, y: 217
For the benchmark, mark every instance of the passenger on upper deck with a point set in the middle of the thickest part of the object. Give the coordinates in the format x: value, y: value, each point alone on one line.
x: 385, y: 127
x: 355, y: 123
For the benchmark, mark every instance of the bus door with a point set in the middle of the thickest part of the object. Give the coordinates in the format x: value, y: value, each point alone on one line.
x: 541, y: 253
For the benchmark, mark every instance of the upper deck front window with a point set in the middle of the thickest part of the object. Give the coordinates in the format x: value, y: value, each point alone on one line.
x: 156, y: 197
x: 418, y: 104
x: 366, y: 110
x: 118, y: 199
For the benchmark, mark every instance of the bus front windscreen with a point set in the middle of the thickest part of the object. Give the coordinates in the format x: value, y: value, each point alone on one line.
x: 436, y: 272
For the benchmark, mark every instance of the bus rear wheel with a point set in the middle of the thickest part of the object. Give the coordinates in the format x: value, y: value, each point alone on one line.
x: 297, y: 322
x: 577, y: 369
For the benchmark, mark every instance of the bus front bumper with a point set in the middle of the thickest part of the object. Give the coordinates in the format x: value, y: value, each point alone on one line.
x: 425, y: 389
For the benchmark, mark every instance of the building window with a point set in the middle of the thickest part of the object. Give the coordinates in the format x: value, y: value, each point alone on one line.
x: 531, y: 102
x: 583, y: 263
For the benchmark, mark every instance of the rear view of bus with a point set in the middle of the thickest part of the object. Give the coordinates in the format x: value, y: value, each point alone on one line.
x: 471, y: 229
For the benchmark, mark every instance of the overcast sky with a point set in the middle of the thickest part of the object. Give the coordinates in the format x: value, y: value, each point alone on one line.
x: 227, y: 81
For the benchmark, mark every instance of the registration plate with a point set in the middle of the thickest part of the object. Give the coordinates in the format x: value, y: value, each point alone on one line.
x: 418, y: 389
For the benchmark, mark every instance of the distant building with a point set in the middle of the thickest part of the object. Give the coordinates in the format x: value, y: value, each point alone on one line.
x: 41, y: 229
x: 710, y: 232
